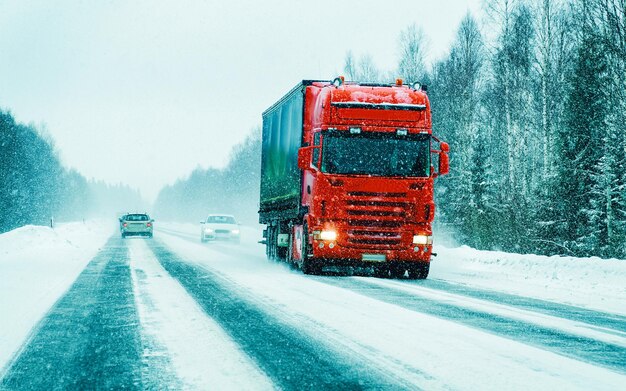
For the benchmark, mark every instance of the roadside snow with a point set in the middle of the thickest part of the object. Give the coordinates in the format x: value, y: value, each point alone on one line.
x: 593, y: 283
x: 37, y: 266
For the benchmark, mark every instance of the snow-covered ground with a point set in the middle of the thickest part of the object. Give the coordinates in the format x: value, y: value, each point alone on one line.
x: 592, y: 283
x: 453, y: 355
x: 37, y: 265
x: 586, y: 282
x: 358, y: 316
x: 175, y: 327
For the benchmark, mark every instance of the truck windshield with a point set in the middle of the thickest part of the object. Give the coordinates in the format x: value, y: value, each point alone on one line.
x: 376, y: 154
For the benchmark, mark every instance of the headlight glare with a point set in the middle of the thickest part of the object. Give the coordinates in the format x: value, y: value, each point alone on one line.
x: 422, y: 239
x: 328, y: 235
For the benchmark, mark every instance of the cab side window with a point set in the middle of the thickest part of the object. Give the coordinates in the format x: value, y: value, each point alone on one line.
x: 316, y: 151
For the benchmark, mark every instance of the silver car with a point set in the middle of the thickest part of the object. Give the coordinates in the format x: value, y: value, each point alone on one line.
x: 136, y: 224
x: 219, y: 227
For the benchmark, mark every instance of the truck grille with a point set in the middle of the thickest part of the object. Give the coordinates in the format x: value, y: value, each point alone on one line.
x: 375, y: 219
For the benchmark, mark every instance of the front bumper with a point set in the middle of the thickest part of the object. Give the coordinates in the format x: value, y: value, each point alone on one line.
x: 324, y: 250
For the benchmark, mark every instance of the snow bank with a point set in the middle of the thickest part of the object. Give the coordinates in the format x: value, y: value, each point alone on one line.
x: 588, y: 282
x: 37, y: 265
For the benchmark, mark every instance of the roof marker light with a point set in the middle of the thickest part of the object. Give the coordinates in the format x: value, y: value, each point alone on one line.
x: 398, y: 82
x: 338, y: 81
x: 417, y: 86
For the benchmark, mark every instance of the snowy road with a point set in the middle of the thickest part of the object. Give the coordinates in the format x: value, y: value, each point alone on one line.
x: 174, y: 313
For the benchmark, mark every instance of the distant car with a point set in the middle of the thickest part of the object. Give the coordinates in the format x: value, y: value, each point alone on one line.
x: 139, y: 224
x: 219, y: 227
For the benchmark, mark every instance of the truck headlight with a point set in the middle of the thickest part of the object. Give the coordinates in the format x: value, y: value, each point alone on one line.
x: 328, y: 235
x: 208, y: 230
x: 422, y: 239
x: 235, y: 232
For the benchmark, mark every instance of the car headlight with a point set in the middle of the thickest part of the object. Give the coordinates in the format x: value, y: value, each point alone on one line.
x: 422, y: 239
x: 208, y: 230
x: 235, y: 232
x: 328, y: 235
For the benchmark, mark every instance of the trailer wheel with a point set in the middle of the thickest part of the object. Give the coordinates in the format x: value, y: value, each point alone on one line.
x: 268, y: 242
x: 419, y: 271
x: 292, y: 262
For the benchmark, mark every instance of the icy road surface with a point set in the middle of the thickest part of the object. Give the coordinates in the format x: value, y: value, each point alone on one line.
x: 172, y: 313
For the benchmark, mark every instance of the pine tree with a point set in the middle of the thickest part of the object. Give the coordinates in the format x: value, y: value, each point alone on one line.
x: 581, y: 149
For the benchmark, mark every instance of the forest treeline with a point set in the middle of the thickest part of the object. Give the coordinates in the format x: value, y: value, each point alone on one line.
x: 231, y: 190
x: 531, y: 99
x: 35, y: 187
x: 536, y: 118
x: 533, y: 103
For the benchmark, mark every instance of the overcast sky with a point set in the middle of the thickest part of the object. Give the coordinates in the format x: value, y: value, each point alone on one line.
x: 142, y: 92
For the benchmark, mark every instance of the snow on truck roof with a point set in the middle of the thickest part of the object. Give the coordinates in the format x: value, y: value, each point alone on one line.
x: 382, y: 96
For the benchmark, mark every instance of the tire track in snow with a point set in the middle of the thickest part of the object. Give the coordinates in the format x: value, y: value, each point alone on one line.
x: 184, y: 342
x: 581, y: 348
x: 90, y: 338
x: 289, y: 357
x: 578, y: 347
x: 592, y: 317
x: 565, y: 311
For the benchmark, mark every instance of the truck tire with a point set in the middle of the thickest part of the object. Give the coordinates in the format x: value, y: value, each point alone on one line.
x: 290, y: 259
x: 382, y: 271
x: 397, y: 271
x: 308, y: 265
x: 271, y: 249
x: 419, y: 271
x: 281, y: 252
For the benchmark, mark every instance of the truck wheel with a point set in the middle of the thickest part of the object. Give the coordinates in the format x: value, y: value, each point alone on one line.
x: 397, y: 271
x: 381, y: 271
x: 308, y: 265
x: 281, y: 253
x: 290, y: 259
x: 419, y: 271
x: 270, y: 247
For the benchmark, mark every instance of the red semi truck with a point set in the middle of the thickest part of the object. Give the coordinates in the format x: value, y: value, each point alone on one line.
x: 347, y: 177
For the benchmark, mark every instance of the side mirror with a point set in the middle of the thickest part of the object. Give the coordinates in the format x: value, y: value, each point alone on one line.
x: 202, y: 222
x: 304, y: 158
x: 444, y: 159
